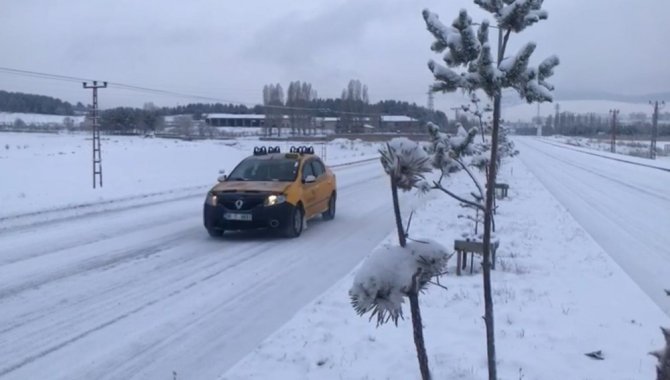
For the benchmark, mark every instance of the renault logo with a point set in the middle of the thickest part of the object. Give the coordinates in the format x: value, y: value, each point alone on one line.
x: 239, y: 203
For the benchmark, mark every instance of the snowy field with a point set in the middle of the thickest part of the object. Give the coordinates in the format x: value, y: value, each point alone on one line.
x: 54, y: 171
x: 633, y: 148
x: 558, y: 295
x: 36, y: 119
x: 524, y: 111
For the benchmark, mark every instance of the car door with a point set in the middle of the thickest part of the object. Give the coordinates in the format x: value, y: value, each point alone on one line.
x: 324, y: 189
x: 310, y: 190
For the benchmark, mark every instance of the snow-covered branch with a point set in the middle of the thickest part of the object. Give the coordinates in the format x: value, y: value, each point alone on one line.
x: 385, y: 278
x: 405, y: 161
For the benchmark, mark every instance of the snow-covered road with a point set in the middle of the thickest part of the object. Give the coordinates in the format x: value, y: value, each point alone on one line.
x: 625, y: 208
x: 139, y: 293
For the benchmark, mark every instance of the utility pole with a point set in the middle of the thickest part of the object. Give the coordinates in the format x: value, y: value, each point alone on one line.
x: 614, y: 113
x: 97, y: 154
x: 431, y: 99
x: 538, y: 120
x: 455, y: 109
x: 654, y: 128
x: 558, y: 111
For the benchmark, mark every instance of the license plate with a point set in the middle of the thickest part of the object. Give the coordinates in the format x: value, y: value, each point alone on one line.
x: 240, y: 217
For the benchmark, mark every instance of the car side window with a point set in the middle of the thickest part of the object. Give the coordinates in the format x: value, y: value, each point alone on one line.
x: 307, y: 169
x: 319, y: 169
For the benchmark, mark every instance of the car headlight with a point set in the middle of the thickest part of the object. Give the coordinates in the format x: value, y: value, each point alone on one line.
x: 275, y: 200
x: 211, y: 199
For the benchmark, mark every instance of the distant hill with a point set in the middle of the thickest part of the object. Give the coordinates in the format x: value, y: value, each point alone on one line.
x: 36, y: 104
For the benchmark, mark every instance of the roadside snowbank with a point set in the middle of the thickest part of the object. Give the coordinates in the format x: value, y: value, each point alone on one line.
x: 557, y: 296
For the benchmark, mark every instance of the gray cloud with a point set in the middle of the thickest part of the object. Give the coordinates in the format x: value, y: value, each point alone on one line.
x: 230, y: 49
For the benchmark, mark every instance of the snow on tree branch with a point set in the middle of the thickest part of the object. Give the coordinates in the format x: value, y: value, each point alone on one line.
x: 473, y: 50
x: 520, y: 14
x: 449, y: 80
x: 385, y: 277
x: 546, y: 69
x: 460, y: 38
x: 515, y: 67
x: 405, y: 161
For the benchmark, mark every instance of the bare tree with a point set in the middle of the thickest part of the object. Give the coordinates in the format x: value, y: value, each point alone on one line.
x: 273, y: 102
x: 183, y: 126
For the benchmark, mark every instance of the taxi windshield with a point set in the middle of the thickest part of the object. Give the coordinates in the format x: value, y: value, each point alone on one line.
x: 265, y: 169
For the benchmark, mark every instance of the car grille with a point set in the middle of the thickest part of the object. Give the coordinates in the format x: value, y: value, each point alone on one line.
x: 249, y: 201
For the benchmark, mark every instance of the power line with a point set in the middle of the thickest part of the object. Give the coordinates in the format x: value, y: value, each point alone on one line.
x: 154, y: 91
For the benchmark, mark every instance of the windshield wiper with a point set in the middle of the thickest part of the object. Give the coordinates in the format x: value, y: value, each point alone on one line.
x: 237, y: 179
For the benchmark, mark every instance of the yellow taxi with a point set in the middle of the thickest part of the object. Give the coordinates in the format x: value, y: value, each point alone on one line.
x: 273, y: 190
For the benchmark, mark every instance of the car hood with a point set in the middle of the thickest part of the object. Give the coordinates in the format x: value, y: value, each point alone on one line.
x: 252, y: 186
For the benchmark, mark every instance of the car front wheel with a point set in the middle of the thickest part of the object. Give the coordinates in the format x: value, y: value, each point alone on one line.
x: 294, y: 227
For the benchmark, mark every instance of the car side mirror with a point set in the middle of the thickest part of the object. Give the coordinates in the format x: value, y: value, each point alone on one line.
x: 222, y: 175
x: 310, y: 179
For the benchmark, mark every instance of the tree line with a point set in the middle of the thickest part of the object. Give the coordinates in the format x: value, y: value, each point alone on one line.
x: 41, y: 104
x: 591, y: 124
x: 300, y: 103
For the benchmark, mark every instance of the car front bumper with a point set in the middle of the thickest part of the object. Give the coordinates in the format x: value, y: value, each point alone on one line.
x: 277, y: 216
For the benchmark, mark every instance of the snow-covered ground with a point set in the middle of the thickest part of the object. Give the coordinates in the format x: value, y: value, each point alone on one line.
x: 54, y: 171
x: 36, y: 119
x: 140, y: 291
x: 558, y: 294
x: 124, y: 282
x: 624, y: 207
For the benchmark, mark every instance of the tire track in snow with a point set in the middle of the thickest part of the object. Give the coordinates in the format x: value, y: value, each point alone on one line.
x: 219, y: 271
x: 601, y: 175
x: 233, y: 281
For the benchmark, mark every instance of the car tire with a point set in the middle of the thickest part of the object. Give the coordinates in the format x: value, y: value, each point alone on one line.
x: 330, y: 213
x: 295, y: 223
x: 214, y: 232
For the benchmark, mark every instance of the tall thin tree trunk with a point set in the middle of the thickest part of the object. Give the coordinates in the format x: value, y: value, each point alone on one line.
x: 417, y: 326
x: 488, y: 217
x: 396, y: 210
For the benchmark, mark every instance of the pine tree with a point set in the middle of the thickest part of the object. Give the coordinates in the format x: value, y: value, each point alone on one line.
x: 470, y: 50
x: 663, y: 356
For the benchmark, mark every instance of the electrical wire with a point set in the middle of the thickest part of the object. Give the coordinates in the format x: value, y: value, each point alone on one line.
x: 154, y: 91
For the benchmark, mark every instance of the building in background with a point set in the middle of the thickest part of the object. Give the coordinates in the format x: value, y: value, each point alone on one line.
x: 400, y: 124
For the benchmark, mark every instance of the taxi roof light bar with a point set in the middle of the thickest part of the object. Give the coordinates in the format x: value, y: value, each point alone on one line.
x: 261, y: 150
x: 302, y: 149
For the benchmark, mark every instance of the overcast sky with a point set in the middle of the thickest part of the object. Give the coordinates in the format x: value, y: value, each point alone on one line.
x: 230, y: 49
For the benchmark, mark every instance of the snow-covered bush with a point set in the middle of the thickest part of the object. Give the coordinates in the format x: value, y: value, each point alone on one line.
x: 506, y: 146
x: 406, y: 162
x: 390, y: 273
x: 393, y: 272
x: 449, y: 154
x: 663, y: 356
